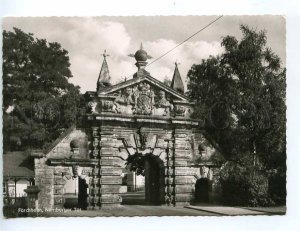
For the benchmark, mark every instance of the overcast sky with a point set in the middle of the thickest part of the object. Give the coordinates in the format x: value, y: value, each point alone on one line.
x: 86, y: 39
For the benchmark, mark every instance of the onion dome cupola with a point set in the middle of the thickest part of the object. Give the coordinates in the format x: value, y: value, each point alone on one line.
x: 104, y: 76
x: 177, y: 83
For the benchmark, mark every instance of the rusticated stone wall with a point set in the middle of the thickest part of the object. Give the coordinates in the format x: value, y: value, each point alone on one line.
x: 104, y: 153
x: 110, y: 146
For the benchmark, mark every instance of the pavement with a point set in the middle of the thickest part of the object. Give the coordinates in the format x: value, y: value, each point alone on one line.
x: 133, y: 204
x: 131, y: 211
x: 239, y: 211
x: 191, y: 210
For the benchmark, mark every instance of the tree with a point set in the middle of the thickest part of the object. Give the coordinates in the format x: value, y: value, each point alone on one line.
x: 240, y: 96
x: 38, y: 100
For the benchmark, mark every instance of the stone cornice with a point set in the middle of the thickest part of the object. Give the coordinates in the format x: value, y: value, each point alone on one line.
x: 143, y: 119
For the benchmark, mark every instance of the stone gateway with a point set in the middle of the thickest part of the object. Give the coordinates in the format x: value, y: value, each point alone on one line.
x: 139, y: 116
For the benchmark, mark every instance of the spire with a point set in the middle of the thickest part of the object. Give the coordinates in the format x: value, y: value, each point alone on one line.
x: 177, y: 83
x: 104, y: 77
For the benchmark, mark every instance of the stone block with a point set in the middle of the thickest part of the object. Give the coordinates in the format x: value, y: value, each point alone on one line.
x: 184, y: 154
x: 111, y: 180
x: 43, y: 181
x: 110, y: 171
x: 183, y: 197
x: 110, y: 198
x: 59, y: 181
x: 184, y: 188
x: 181, y: 163
x: 183, y: 145
x: 184, y: 180
x: 183, y: 171
x: 180, y: 135
x: 111, y: 162
x: 110, y: 189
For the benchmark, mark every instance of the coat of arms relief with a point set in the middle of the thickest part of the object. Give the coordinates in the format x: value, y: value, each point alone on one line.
x: 140, y: 99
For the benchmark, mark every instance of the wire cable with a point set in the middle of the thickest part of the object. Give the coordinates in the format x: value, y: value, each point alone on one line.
x: 212, y: 22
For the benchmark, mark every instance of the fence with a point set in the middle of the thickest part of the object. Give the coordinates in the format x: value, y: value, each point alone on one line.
x: 13, y: 204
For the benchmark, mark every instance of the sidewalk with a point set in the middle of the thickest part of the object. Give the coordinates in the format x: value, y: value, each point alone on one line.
x: 239, y: 211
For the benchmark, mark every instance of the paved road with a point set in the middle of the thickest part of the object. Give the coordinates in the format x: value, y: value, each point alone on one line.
x: 134, y: 210
x: 133, y: 198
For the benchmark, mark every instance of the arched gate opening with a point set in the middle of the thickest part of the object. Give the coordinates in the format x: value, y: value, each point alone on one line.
x: 152, y: 168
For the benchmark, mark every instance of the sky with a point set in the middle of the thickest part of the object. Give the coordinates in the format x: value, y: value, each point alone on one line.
x: 86, y: 38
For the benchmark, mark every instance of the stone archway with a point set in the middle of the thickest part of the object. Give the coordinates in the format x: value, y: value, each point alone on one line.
x: 151, y: 168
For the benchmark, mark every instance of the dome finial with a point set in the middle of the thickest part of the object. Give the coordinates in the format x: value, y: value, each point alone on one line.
x: 141, y: 47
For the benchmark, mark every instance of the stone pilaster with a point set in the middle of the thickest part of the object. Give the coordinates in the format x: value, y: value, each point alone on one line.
x: 44, y: 179
x: 184, y: 175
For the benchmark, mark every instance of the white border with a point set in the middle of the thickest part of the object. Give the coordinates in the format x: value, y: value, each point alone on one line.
x: 290, y: 9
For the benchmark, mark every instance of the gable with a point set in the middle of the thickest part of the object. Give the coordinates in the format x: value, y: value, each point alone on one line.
x: 134, y: 83
x: 61, y: 148
x: 142, y: 95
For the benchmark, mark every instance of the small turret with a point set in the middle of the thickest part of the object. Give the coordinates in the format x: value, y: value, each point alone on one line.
x: 177, y: 83
x: 104, y: 76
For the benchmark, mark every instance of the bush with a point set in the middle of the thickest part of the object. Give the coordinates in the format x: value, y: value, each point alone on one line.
x: 244, y: 186
x: 277, y: 187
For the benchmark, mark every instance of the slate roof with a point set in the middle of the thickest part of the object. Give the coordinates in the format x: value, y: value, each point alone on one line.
x: 18, y: 164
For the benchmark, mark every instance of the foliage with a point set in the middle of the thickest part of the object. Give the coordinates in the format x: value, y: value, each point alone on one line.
x: 240, y: 97
x: 137, y: 161
x: 277, y: 186
x: 244, y: 186
x: 38, y: 100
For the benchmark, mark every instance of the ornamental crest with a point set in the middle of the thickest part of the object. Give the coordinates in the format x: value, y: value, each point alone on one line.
x: 143, y: 99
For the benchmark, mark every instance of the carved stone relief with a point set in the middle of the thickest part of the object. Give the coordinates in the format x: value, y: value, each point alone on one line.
x: 92, y: 107
x: 123, y: 99
x: 162, y: 102
x: 143, y: 99
x: 107, y: 106
x: 179, y: 110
